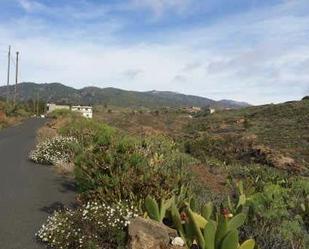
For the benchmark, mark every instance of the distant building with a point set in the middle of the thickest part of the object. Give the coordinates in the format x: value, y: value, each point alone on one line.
x: 193, y: 109
x: 86, y: 111
x: 211, y: 110
x: 52, y: 107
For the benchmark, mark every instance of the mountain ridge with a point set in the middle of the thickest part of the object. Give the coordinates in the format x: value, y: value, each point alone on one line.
x: 92, y: 95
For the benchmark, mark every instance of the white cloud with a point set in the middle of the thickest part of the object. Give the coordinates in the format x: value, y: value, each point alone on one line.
x: 160, y: 6
x: 30, y: 5
x: 259, y: 57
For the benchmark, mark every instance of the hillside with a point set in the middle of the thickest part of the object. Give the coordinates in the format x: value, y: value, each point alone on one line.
x: 254, y: 159
x: 267, y: 134
x: 59, y: 93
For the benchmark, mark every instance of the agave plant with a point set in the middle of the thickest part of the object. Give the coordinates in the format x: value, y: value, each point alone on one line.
x: 157, y: 211
x: 209, y: 229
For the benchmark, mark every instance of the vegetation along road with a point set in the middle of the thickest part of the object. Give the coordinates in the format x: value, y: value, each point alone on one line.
x: 28, y: 192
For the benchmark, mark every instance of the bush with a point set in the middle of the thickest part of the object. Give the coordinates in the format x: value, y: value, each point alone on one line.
x: 54, y: 150
x: 113, y: 166
x: 131, y: 168
x: 274, y: 201
x: 87, y: 131
x: 62, y: 113
x: 94, y: 225
x: 3, y: 120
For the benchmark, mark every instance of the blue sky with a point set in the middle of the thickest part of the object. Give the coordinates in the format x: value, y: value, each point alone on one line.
x: 250, y: 50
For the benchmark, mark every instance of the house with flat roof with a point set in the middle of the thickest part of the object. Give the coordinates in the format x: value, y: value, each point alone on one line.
x: 86, y: 111
x: 52, y: 107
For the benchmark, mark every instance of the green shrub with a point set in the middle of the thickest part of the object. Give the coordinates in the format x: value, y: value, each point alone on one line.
x: 275, y: 206
x: 131, y: 168
x: 62, y: 113
x: 87, y: 131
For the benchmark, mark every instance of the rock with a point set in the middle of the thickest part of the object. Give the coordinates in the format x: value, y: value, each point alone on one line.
x: 149, y: 234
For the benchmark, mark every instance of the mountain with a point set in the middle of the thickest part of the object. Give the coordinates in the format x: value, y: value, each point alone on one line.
x: 233, y: 103
x: 59, y: 93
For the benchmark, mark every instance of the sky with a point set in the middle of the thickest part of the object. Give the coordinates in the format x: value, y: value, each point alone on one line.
x: 247, y: 50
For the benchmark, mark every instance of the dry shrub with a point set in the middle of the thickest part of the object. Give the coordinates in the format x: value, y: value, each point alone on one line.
x: 9, y: 121
x: 45, y: 133
x: 3, y: 119
x: 64, y: 168
x: 61, y: 122
x: 2, y: 116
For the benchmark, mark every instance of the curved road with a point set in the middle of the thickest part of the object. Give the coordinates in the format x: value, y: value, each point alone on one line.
x: 28, y: 192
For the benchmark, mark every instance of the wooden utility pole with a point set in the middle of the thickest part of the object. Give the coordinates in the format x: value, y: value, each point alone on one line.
x: 16, y: 78
x: 34, y: 105
x: 8, y: 76
x: 38, y: 102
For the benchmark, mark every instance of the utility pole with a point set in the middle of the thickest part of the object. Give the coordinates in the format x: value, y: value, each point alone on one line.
x: 16, y: 79
x: 8, y: 76
x: 38, y: 102
x: 34, y: 105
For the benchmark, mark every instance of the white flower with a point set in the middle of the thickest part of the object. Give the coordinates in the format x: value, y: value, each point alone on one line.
x: 178, y: 241
x: 54, y: 150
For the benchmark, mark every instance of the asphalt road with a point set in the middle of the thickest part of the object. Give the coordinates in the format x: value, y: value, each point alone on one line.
x: 28, y: 192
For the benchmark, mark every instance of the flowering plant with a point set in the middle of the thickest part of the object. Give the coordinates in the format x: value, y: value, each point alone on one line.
x: 54, y: 150
x: 94, y: 224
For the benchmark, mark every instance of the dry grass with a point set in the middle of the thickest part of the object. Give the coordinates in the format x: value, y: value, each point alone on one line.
x: 6, y: 121
x: 45, y: 133
x: 215, y: 181
x: 145, y: 122
x: 49, y: 130
x: 64, y: 168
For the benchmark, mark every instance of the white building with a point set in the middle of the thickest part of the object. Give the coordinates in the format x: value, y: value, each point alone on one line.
x: 211, y: 110
x: 52, y: 107
x: 86, y: 111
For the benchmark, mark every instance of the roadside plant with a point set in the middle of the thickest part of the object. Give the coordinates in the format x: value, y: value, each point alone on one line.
x: 93, y: 225
x: 88, y: 132
x: 208, y: 228
x: 127, y: 167
x: 53, y: 151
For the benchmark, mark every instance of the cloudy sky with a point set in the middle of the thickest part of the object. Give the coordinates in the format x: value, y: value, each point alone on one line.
x: 250, y: 50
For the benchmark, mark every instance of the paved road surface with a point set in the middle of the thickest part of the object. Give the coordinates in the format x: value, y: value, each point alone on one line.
x: 28, y: 192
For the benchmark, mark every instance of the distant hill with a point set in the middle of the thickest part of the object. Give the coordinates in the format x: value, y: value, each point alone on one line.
x: 59, y: 93
x: 264, y: 134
